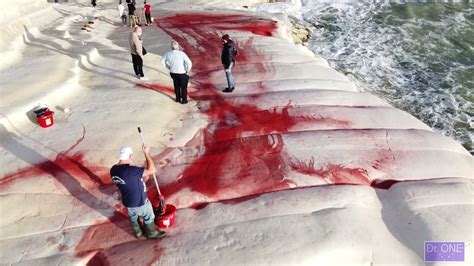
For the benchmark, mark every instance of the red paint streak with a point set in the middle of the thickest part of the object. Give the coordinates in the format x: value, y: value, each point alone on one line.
x: 333, y: 174
x: 69, y: 170
x: 188, y: 22
x: 158, y: 88
x: 99, y: 259
x: 81, y: 179
x: 199, y: 205
x: 384, y: 184
x: 243, y: 147
x: 105, y: 234
x: 73, y: 172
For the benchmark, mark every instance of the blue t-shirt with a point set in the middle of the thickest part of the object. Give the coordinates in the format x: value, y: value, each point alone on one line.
x: 130, y: 183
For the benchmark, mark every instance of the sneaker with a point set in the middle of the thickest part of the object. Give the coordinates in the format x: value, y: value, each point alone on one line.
x: 144, y: 78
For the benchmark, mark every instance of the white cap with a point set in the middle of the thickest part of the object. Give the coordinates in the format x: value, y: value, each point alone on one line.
x: 125, y: 153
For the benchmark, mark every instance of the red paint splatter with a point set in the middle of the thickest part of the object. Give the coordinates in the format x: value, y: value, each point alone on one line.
x: 384, y: 184
x: 98, y: 259
x: 243, y: 147
x: 333, y: 174
x: 80, y: 178
x: 158, y: 88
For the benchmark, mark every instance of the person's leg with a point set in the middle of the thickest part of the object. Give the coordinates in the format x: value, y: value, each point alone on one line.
x: 148, y: 18
x: 140, y: 66
x: 184, y: 88
x: 124, y: 19
x: 146, y: 211
x: 135, y: 64
x: 176, y: 87
x: 133, y: 214
x: 230, y: 79
x: 180, y: 87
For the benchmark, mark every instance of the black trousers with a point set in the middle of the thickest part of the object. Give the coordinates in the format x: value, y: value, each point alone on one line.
x: 137, y: 65
x: 148, y: 18
x: 180, y: 82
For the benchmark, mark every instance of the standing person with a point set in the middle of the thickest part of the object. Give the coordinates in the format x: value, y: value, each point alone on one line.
x: 130, y: 180
x: 131, y: 13
x: 122, y: 14
x: 136, y: 49
x: 228, y: 61
x: 147, y: 13
x: 179, y: 65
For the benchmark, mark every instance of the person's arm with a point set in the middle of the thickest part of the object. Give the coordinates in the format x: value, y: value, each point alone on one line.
x: 187, y: 63
x: 150, y: 165
x: 164, y: 60
x: 138, y: 45
x: 226, y: 57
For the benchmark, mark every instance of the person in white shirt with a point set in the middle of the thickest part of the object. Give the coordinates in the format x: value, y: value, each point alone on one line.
x: 122, y: 13
x: 179, y: 65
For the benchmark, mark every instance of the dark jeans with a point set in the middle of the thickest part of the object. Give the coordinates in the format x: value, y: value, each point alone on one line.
x: 180, y: 82
x: 148, y: 18
x: 124, y: 19
x: 137, y: 65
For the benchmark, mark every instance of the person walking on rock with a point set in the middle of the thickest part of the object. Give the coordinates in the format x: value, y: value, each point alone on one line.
x: 147, y: 13
x: 130, y: 181
x: 133, y: 20
x: 228, y: 61
x: 136, y: 49
x: 122, y: 13
x: 179, y: 65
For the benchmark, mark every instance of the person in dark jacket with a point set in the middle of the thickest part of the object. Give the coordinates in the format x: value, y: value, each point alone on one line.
x: 228, y: 61
x: 133, y: 20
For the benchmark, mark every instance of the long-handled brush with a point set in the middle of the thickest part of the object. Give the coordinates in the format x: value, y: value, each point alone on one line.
x: 160, y: 209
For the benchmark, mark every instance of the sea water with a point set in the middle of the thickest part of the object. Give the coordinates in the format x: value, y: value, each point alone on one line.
x: 419, y: 56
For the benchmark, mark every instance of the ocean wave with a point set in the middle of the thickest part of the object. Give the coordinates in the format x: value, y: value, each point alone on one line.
x: 420, y: 57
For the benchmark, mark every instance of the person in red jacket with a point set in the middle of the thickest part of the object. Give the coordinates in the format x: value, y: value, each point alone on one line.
x: 147, y: 13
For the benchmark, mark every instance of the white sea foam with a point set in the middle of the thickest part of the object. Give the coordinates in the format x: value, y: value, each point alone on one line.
x: 416, y: 56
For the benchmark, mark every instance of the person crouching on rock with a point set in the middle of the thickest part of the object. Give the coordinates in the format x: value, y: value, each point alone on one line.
x: 136, y: 49
x: 228, y: 61
x: 131, y: 182
x: 179, y: 65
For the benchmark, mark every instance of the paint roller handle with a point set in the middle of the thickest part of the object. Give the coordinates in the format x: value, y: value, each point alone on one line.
x: 141, y: 135
x: 154, y: 176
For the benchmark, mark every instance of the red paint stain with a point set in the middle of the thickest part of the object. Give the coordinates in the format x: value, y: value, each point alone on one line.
x: 98, y: 259
x: 333, y: 174
x: 82, y: 179
x: 73, y: 172
x: 384, y: 184
x: 243, y: 147
x: 158, y: 88
x: 105, y: 234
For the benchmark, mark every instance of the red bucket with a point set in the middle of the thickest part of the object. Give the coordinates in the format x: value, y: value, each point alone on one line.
x: 167, y: 219
x: 46, y: 119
